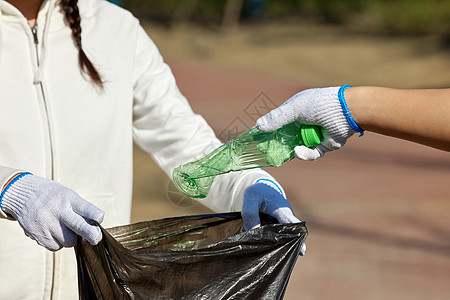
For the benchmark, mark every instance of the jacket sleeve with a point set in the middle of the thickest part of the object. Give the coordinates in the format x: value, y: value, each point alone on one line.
x: 165, y: 126
x: 5, y: 175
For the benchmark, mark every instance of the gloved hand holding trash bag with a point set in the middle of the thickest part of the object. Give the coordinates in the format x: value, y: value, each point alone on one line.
x: 266, y: 196
x: 50, y: 213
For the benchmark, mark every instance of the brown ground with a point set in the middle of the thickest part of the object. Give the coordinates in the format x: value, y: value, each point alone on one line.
x: 378, y: 210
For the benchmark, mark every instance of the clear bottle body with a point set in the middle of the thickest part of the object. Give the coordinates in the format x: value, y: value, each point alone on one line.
x: 251, y: 149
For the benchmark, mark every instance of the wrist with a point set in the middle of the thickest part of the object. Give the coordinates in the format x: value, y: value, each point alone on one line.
x: 355, y: 101
x: 343, y: 93
x: 8, y: 183
x: 5, y: 195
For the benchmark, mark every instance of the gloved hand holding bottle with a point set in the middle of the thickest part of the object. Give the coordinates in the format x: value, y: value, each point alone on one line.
x: 314, y: 106
x: 50, y: 213
x: 418, y: 115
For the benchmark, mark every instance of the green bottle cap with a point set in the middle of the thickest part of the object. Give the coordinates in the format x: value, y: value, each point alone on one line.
x: 311, y: 135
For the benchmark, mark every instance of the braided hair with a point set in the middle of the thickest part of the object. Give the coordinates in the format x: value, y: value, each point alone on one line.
x: 72, y: 14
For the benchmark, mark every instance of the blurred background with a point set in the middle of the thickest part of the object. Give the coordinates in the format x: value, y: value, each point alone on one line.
x: 378, y: 210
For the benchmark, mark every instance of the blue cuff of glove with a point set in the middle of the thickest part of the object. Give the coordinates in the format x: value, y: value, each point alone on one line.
x: 9, y: 185
x: 347, y: 114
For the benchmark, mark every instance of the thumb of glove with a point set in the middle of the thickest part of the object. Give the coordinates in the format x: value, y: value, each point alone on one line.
x: 88, y: 211
x: 305, y: 153
x: 90, y: 214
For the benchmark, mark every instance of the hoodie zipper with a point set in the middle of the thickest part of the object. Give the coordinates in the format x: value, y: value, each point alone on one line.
x: 34, y: 32
x: 36, y: 40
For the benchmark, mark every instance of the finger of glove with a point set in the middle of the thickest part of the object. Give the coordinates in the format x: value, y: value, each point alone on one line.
x: 50, y: 244
x: 250, y: 210
x: 305, y: 153
x: 250, y: 217
x: 47, y: 241
x: 278, y: 117
x: 284, y: 215
x: 63, y: 235
x: 87, y: 210
x: 278, y: 207
x: 80, y: 226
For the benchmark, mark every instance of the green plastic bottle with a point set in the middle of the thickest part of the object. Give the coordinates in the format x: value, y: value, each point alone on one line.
x: 251, y: 149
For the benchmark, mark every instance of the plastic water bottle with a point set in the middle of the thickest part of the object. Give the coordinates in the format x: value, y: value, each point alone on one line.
x: 251, y: 149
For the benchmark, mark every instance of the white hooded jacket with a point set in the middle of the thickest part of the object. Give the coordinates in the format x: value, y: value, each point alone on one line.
x: 55, y: 123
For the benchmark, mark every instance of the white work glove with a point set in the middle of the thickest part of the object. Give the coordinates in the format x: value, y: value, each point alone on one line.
x: 266, y: 197
x: 50, y: 213
x: 324, y: 107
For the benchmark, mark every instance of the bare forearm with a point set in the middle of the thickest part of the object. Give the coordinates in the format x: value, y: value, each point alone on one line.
x: 421, y: 116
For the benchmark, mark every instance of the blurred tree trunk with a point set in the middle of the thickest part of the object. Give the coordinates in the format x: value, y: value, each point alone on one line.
x: 232, y: 14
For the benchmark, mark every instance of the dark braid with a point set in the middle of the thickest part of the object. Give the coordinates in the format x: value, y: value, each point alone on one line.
x: 70, y: 8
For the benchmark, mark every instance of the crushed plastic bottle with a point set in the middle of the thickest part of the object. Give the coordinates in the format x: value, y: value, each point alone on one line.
x: 251, y: 149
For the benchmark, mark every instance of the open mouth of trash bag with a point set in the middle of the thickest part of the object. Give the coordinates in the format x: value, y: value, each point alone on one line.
x: 192, y: 257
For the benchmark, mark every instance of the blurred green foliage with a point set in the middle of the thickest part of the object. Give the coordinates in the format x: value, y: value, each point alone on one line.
x: 412, y: 16
x: 387, y: 16
x: 205, y: 12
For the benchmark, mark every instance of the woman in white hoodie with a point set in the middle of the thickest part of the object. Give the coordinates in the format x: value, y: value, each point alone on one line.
x: 80, y: 81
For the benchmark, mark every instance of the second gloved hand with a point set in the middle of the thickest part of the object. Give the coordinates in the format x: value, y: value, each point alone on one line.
x: 50, y: 213
x: 314, y: 106
x: 264, y: 196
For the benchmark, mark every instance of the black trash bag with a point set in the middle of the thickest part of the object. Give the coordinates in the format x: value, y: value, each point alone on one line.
x: 193, y: 257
